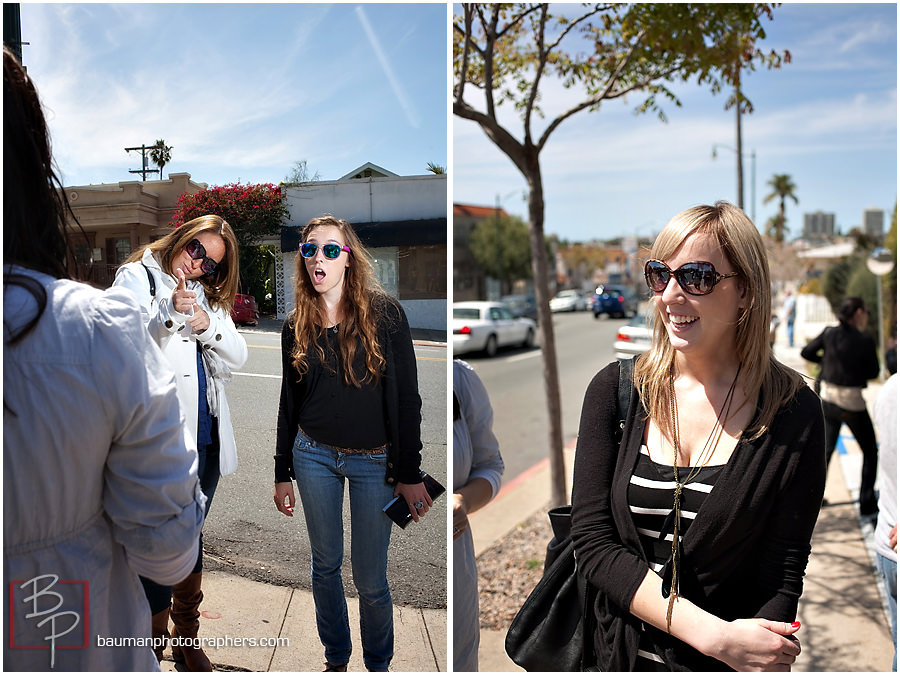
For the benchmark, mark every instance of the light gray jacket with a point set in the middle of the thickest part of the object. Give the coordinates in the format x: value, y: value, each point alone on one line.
x: 99, y: 479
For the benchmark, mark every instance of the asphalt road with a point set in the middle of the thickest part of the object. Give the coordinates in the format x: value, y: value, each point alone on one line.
x: 515, y: 383
x: 246, y: 535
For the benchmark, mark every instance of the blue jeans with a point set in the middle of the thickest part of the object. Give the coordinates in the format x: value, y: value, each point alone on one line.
x: 321, y: 471
x: 888, y: 570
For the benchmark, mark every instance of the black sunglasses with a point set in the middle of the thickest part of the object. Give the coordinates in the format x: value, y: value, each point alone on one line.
x: 331, y: 251
x: 198, y: 252
x: 695, y: 278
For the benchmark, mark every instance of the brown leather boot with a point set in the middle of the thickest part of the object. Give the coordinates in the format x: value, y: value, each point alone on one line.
x: 160, y: 626
x: 186, y: 599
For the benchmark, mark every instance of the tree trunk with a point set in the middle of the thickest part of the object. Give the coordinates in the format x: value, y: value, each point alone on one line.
x: 548, y: 342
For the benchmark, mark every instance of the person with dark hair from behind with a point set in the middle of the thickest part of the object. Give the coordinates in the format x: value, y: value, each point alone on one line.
x: 99, y: 477
x: 849, y: 360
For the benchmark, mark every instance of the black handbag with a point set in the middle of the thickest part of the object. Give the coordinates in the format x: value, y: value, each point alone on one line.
x: 554, y: 629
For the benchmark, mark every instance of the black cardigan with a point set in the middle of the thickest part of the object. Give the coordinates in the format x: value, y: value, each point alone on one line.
x: 744, y: 554
x: 849, y: 356
x: 403, y: 405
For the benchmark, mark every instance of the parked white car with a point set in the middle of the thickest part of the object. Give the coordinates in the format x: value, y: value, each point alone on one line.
x: 487, y: 326
x: 634, y: 337
x: 569, y: 301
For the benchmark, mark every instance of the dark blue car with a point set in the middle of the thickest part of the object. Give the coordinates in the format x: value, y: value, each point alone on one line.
x: 616, y: 301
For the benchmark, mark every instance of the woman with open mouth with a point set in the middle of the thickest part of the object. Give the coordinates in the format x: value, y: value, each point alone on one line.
x: 350, y: 411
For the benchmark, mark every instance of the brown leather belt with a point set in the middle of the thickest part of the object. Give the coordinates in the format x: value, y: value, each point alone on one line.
x: 351, y: 451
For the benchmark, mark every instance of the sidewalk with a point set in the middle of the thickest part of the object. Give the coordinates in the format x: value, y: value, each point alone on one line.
x: 238, y: 610
x: 842, y: 610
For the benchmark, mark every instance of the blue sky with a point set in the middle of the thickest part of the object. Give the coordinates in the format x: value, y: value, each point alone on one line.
x: 240, y: 91
x: 828, y: 119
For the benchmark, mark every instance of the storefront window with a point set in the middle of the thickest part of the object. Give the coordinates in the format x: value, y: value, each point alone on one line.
x: 423, y: 272
x: 386, y: 268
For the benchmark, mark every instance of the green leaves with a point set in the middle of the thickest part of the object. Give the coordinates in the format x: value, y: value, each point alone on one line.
x: 609, y: 49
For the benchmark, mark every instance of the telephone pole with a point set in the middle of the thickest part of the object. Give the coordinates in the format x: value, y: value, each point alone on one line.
x: 145, y: 170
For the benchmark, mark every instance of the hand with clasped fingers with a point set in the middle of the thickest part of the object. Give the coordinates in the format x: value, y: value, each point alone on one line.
x: 757, y: 645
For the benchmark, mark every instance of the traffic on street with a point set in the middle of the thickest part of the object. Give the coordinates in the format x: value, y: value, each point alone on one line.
x: 515, y: 384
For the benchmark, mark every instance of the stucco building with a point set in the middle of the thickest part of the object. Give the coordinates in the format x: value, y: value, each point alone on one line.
x: 402, y: 221
x: 119, y: 217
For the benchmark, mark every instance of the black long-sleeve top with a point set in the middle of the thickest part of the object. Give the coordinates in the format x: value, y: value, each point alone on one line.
x: 402, y: 403
x: 747, y: 549
x: 848, y: 356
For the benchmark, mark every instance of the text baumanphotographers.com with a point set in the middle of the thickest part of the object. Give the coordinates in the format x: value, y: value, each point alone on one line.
x: 201, y: 642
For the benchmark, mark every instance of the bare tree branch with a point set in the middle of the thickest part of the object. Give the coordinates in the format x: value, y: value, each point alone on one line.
x: 539, y: 71
x: 597, y: 9
x: 596, y: 98
x: 465, y: 55
x: 517, y: 19
x: 504, y: 140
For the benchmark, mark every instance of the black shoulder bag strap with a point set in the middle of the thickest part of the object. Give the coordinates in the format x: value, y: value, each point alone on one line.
x: 626, y: 384
x: 587, y: 592
x: 152, y: 283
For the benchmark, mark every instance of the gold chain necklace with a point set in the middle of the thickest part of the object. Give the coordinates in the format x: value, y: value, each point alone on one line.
x: 702, y: 461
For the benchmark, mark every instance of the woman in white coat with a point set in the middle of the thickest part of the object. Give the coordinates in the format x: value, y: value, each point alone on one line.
x: 185, y: 284
x: 99, y: 475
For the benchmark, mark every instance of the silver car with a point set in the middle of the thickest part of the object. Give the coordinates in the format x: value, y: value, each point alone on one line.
x: 487, y: 326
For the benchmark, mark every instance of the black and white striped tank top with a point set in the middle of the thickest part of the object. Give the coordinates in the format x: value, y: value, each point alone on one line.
x: 650, y: 499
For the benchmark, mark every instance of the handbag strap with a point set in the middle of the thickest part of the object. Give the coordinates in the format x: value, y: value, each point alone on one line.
x: 626, y: 384
x: 150, y: 279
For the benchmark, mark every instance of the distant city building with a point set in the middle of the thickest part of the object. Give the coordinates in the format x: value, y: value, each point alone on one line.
x: 873, y: 223
x: 818, y: 225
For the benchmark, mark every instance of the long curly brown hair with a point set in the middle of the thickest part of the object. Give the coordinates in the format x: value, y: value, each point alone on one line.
x: 221, y: 287
x: 362, y: 302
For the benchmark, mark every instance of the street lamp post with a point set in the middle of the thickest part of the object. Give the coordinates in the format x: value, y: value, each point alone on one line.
x: 741, y: 178
x: 880, y: 263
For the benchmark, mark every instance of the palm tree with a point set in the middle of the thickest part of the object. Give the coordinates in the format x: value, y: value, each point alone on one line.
x: 782, y: 188
x: 161, y: 154
x: 435, y: 168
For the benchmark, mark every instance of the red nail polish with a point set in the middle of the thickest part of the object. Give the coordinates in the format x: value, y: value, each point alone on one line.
x: 795, y: 624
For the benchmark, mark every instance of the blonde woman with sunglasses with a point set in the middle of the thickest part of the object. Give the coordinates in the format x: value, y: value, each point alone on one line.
x: 696, y: 528
x: 185, y: 283
x: 350, y: 412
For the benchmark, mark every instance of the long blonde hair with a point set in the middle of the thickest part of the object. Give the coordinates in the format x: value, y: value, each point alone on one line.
x: 362, y: 302
x: 220, y: 287
x: 742, y: 244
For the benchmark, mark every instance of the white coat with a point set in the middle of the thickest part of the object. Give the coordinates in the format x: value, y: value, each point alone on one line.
x: 99, y: 478
x: 170, y: 330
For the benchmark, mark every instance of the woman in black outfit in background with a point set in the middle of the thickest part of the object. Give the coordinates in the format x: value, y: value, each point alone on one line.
x: 849, y: 360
